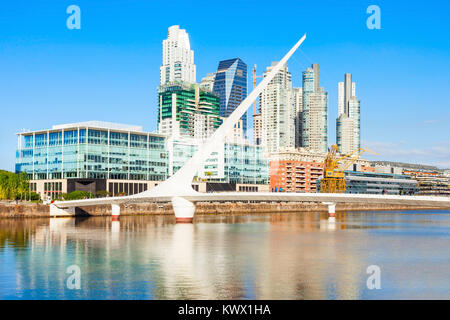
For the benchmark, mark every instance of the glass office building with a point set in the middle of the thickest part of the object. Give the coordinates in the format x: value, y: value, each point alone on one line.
x: 245, y: 164
x: 230, y: 84
x: 92, y: 150
x: 89, y: 152
x: 233, y: 163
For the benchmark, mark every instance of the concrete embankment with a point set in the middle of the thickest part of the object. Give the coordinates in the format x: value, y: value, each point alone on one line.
x: 31, y: 210
x: 11, y: 210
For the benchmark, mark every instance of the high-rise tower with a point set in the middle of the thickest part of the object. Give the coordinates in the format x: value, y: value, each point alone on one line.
x: 278, y: 112
x: 230, y: 84
x: 348, y: 125
x: 178, y: 58
x: 315, y: 112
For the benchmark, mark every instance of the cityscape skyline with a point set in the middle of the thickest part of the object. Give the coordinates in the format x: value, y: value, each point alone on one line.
x: 389, y: 146
x: 204, y: 150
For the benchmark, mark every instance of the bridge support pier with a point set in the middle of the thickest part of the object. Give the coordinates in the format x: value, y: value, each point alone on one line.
x: 115, y: 211
x: 331, y: 208
x: 184, y: 210
x: 61, y: 212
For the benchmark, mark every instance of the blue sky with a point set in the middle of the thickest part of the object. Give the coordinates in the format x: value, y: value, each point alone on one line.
x: 109, y: 70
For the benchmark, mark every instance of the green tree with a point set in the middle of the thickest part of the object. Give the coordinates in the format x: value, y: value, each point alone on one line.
x: 22, y: 185
x: 13, y: 185
x: 4, y: 185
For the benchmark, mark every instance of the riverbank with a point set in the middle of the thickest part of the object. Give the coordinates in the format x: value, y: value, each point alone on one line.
x: 35, y: 210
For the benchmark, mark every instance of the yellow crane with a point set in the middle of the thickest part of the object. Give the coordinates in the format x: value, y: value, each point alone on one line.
x: 333, y: 180
x: 254, y: 85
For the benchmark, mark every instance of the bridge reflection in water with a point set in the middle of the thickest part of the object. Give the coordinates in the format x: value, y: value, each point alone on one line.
x: 278, y: 256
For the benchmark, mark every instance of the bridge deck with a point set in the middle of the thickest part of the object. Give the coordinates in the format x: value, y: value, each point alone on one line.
x: 433, y: 201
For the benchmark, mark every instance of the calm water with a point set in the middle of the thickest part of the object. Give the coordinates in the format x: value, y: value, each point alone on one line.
x: 280, y: 256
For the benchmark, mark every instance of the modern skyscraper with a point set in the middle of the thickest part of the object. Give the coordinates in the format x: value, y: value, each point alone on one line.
x: 315, y: 112
x: 178, y: 58
x: 231, y: 85
x: 185, y: 110
x: 348, y: 125
x: 277, y: 112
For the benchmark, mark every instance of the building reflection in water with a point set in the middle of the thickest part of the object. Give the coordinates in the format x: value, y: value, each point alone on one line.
x: 278, y: 256
x: 151, y: 257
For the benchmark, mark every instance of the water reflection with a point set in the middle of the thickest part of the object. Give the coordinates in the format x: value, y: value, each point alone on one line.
x: 280, y: 256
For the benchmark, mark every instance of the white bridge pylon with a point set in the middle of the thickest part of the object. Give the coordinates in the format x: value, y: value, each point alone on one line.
x: 180, y: 184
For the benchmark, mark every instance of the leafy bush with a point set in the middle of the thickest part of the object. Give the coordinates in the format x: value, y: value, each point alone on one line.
x: 77, y: 195
x: 33, y: 196
x: 102, y: 193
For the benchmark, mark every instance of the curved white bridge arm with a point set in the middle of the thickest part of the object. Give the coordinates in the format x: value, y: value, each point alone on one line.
x: 180, y: 184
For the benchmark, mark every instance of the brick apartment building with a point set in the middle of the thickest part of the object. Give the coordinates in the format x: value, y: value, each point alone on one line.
x: 294, y: 176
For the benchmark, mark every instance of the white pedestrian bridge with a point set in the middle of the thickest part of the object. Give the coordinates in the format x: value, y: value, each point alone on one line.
x: 178, y: 190
x: 184, y: 206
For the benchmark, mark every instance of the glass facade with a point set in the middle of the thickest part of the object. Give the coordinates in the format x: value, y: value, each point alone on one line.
x: 235, y: 163
x: 245, y: 164
x: 231, y: 85
x: 94, y: 153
